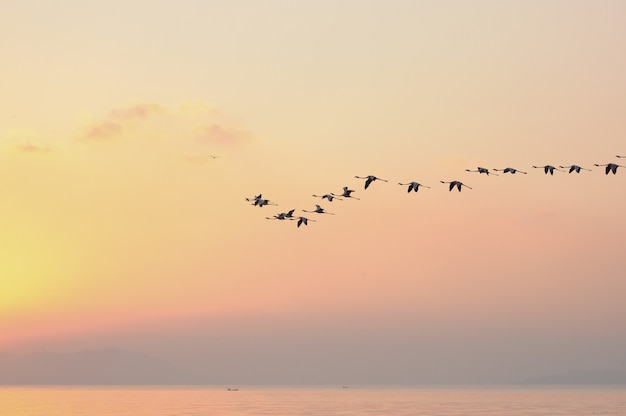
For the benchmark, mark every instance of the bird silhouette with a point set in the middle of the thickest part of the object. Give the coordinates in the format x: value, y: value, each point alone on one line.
x: 347, y: 193
x: 610, y: 167
x: 413, y: 186
x: 458, y: 185
x: 330, y: 197
x: 574, y: 168
x: 548, y: 169
x: 255, y: 198
x: 482, y: 170
x: 318, y: 210
x: 263, y: 202
x: 259, y: 201
x: 512, y: 171
x: 369, y: 179
x: 303, y: 220
x: 282, y: 216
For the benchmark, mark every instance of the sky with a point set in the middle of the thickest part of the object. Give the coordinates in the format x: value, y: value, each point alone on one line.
x: 132, y: 132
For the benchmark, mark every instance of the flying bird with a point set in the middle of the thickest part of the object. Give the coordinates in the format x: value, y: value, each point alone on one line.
x: 282, y: 216
x: 303, y: 220
x: 574, y: 168
x: 512, y: 171
x: 330, y: 197
x: 347, y: 193
x: 548, y: 169
x: 413, y: 186
x: 369, y: 179
x: 458, y: 185
x: 263, y: 202
x: 259, y: 201
x: 610, y: 167
x: 319, y: 210
x: 255, y: 198
x: 482, y: 170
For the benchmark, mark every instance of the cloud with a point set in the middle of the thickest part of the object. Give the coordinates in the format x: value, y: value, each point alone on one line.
x: 195, y: 133
x: 27, y: 140
x: 220, y: 135
x: 120, y: 120
x: 102, y: 131
x: 32, y: 148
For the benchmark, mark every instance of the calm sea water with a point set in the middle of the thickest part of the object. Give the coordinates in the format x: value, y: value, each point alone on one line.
x: 294, y: 401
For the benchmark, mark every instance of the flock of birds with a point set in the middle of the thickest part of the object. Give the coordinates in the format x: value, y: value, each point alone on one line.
x: 260, y: 201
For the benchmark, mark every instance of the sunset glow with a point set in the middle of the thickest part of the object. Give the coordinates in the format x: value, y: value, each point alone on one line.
x: 131, y: 135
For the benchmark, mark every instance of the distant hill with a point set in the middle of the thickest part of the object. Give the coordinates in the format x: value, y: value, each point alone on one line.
x: 108, y: 366
x: 123, y: 367
x: 609, y: 377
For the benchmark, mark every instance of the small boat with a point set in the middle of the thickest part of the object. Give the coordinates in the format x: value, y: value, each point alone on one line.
x: 231, y: 389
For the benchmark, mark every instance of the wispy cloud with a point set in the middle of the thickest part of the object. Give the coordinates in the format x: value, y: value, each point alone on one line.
x: 27, y: 140
x: 194, y: 132
x: 216, y: 134
x: 120, y: 120
x: 102, y: 131
x: 32, y: 148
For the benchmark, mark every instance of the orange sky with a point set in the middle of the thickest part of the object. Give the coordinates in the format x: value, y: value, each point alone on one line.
x: 116, y: 219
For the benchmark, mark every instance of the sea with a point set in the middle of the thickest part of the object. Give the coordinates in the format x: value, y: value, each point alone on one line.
x: 310, y: 400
